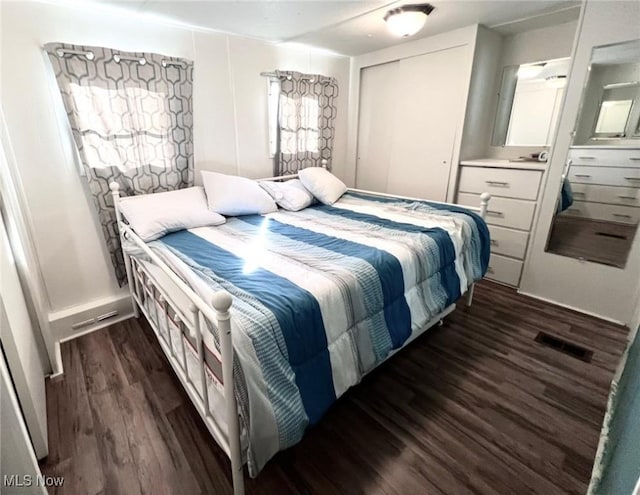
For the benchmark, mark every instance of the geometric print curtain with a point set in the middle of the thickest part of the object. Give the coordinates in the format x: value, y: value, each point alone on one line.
x: 131, y: 116
x: 306, y: 116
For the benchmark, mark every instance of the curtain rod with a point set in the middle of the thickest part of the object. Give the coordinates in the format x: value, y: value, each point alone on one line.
x: 273, y: 75
x: 61, y: 52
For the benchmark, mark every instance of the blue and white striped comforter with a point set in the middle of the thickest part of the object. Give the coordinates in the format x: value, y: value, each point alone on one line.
x: 323, y: 295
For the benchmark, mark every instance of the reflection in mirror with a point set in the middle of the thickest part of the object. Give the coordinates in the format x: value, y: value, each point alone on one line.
x: 529, y: 103
x: 599, y: 203
x: 615, y: 110
x: 610, y: 107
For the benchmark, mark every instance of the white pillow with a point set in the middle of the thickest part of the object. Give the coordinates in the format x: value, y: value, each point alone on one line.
x: 325, y: 186
x: 232, y: 195
x: 290, y: 195
x: 153, y: 215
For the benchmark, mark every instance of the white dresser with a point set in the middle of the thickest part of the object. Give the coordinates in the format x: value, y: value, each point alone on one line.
x: 605, y: 184
x: 515, y: 190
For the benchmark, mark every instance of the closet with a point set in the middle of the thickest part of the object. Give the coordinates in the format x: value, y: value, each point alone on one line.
x: 408, y: 120
x: 374, y: 132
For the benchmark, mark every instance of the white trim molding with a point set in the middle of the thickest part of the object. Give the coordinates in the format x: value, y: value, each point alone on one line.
x: 19, y: 228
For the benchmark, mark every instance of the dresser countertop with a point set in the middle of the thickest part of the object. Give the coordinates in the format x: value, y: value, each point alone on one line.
x: 630, y: 146
x: 498, y: 163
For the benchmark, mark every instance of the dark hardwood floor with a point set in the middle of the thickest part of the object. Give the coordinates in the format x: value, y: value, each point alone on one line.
x: 476, y: 406
x: 593, y: 240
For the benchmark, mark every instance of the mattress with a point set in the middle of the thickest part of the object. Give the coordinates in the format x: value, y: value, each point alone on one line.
x: 324, y: 295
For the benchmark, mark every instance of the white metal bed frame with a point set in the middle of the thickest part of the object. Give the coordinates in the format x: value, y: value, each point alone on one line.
x: 143, y: 284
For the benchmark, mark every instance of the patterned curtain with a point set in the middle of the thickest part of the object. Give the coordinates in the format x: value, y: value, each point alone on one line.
x: 306, y: 114
x: 131, y: 116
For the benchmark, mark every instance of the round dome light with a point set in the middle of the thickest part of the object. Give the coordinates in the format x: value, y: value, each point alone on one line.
x: 530, y: 71
x: 406, y: 23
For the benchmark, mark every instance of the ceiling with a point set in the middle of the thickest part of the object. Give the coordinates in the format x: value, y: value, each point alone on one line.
x: 344, y: 26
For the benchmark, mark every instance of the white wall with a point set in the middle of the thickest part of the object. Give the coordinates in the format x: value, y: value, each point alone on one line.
x: 522, y: 48
x: 230, y: 126
x: 539, y: 44
x: 590, y: 287
x: 485, y: 80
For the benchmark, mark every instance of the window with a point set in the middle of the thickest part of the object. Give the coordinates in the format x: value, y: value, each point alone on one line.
x: 299, y: 130
x: 128, y: 129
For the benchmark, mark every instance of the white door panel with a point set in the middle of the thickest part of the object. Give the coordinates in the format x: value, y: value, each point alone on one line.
x: 375, y: 125
x: 17, y: 460
x: 428, y: 106
x: 408, y: 121
x: 21, y: 348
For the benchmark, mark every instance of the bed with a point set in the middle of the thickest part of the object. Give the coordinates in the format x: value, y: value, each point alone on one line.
x: 268, y: 320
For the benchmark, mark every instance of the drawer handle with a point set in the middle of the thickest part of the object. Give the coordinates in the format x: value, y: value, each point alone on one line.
x: 620, y: 215
x: 494, y: 213
x: 587, y: 157
x: 493, y: 242
x: 578, y: 193
x: 632, y: 178
x: 635, y: 158
x: 632, y: 198
x: 496, y: 183
x: 584, y: 175
x: 575, y: 210
x: 490, y: 270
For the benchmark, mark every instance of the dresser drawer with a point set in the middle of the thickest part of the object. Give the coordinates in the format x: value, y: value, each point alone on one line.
x: 504, y: 270
x: 605, y: 176
x: 628, y: 196
x: 605, y: 157
x: 508, y: 183
x: 508, y: 242
x: 504, y: 212
x: 599, y: 211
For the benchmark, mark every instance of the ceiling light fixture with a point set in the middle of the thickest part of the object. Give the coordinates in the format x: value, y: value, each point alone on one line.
x: 407, y: 20
x: 530, y: 71
x: 558, y: 81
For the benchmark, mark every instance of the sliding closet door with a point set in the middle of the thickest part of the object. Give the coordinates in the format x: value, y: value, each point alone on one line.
x: 375, y: 132
x: 429, y: 102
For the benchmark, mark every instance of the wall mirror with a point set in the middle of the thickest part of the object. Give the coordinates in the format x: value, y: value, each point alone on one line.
x: 529, y: 102
x: 598, y: 208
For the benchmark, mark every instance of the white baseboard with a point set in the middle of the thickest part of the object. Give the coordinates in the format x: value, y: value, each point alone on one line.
x: 97, y: 326
x: 573, y: 308
x: 56, y: 361
x: 62, y: 322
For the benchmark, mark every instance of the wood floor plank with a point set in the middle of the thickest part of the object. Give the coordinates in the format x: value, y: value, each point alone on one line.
x: 121, y: 473
x: 475, y: 407
x: 209, y: 464
x: 160, y: 462
x: 127, y: 339
x: 73, y: 446
x: 103, y: 369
